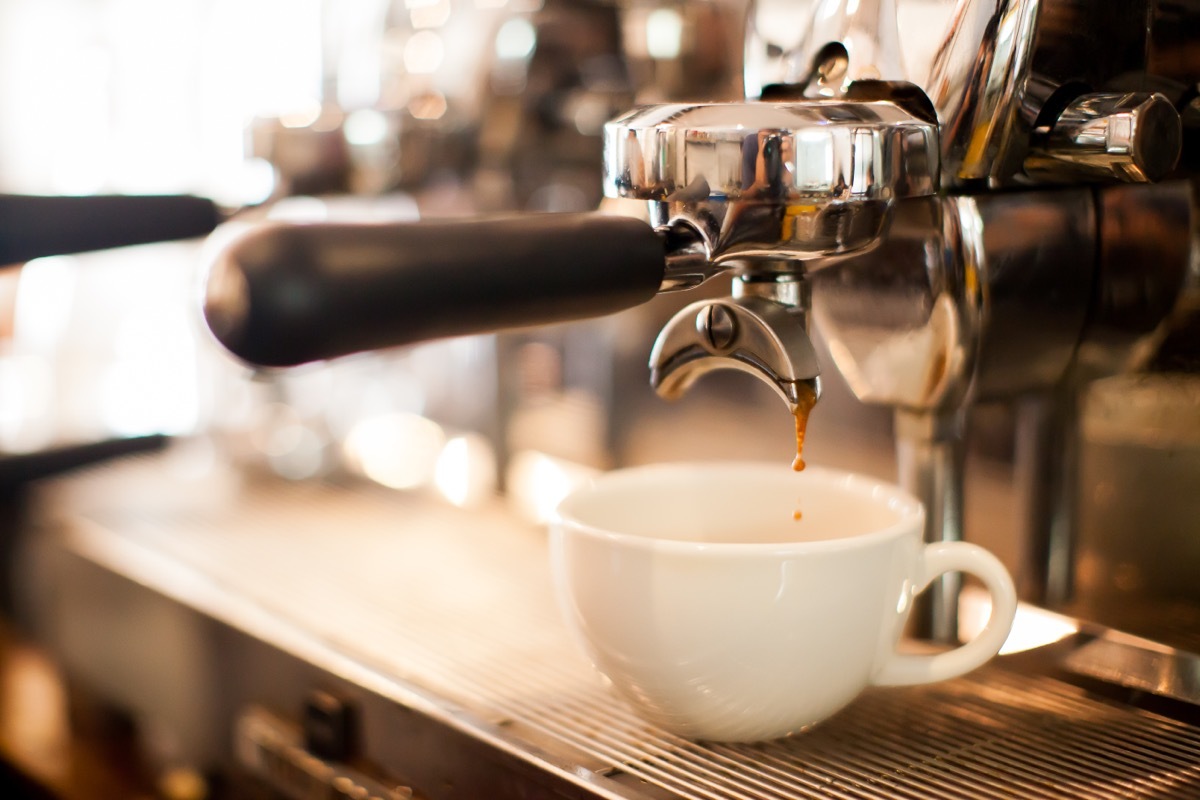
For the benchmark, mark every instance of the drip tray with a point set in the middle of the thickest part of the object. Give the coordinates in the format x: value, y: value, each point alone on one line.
x: 448, y: 615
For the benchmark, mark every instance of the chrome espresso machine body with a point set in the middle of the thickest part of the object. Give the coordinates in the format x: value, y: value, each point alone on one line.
x: 1017, y: 225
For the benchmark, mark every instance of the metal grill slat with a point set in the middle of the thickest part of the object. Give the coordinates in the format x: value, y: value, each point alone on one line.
x: 834, y: 766
x: 800, y: 773
x: 1130, y: 737
x: 950, y: 742
x: 942, y: 752
x: 937, y: 764
x: 940, y: 764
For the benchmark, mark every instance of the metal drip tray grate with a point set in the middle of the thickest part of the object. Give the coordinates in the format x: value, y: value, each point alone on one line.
x: 996, y: 734
x: 459, y: 604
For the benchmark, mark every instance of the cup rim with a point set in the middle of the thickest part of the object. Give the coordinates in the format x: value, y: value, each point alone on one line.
x: 908, y: 506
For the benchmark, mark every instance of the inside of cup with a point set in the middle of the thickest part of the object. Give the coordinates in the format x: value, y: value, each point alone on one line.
x: 739, y: 503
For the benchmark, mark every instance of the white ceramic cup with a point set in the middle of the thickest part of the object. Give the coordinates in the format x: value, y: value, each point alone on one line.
x: 720, y: 617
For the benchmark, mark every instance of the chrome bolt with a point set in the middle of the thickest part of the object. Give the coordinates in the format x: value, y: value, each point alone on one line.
x: 717, y: 326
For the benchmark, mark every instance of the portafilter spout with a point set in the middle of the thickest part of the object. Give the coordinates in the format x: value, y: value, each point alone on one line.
x: 770, y: 191
x: 752, y: 331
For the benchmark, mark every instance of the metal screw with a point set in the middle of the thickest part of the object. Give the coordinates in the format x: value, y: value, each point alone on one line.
x: 718, y: 327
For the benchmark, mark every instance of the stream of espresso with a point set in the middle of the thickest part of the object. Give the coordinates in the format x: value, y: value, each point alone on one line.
x: 808, y: 399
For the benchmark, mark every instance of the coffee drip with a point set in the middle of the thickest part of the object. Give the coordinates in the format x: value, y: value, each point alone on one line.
x: 807, y: 397
x: 807, y: 400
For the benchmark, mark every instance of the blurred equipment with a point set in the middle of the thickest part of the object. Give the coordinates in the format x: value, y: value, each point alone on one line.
x: 34, y: 226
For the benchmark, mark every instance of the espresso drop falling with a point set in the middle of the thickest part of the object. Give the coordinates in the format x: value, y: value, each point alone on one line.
x: 807, y: 399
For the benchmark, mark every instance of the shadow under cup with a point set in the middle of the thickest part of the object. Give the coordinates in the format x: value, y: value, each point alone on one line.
x: 720, y: 616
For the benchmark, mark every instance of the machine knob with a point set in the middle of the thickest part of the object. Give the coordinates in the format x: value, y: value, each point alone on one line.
x: 1131, y: 137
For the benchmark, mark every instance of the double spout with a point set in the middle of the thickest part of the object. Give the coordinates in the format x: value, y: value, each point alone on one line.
x: 772, y: 192
x: 762, y: 329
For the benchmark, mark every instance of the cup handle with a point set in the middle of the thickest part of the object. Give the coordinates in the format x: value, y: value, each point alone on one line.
x: 937, y: 559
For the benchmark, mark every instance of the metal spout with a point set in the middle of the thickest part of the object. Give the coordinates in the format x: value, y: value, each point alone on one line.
x: 762, y: 330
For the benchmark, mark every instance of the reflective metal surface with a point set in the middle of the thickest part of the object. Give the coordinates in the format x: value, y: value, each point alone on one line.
x: 1136, y: 663
x: 774, y: 180
x: 746, y: 332
x: 903, y: 321
x: 1147, y: 276
x: 1134, y: 137
x: 847, y: 41
x: 1007, y: 68
x: 930, y: 456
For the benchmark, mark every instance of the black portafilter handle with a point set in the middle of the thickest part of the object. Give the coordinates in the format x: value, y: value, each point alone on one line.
x: 32, y: 226
x: 285, y: 294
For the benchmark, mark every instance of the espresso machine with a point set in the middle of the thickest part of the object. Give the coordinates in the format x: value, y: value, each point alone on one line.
x: 955, y: 238
x: 1014, y: 227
